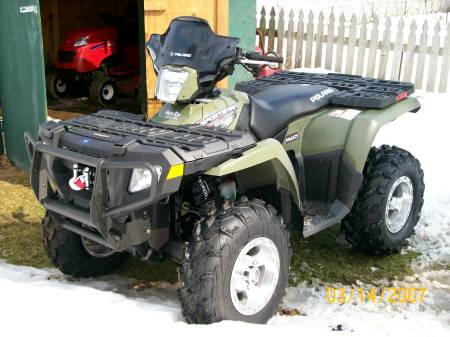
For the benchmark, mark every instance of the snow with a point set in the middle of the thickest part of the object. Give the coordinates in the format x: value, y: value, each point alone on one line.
x: 366, y: 319
x: 37, y: 302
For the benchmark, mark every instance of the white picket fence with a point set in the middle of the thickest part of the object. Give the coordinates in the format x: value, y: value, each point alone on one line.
x: 375, y: 49
x: 359, y: 8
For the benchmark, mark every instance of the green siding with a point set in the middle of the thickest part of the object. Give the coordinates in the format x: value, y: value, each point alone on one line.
x: 22, y: 77
x: 242, y: 24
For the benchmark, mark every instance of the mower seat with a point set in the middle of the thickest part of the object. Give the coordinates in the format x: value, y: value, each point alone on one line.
x: 272, y: 109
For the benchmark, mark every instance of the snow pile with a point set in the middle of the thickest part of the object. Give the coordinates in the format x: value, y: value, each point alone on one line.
x: 370, y: 319
x: 34, y: 301
x: 426, y: 136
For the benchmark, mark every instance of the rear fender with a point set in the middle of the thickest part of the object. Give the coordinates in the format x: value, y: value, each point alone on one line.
x: 330, y: 131
x: 366, y: 126
x: 266, y: 163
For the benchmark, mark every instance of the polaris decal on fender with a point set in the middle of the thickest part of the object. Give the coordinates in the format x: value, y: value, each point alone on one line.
x: 291, y: 137
x: 322, y: 94
x: 222, y: 118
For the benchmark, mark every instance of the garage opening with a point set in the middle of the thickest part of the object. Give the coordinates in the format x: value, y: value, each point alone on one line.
x: 93, y: 53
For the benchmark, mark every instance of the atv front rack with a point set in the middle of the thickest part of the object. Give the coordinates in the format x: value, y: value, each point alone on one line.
x: 192, y: 143
x: 354, y: 91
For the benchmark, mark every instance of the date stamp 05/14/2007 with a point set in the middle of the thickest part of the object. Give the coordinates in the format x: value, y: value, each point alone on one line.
x: 374, y: 295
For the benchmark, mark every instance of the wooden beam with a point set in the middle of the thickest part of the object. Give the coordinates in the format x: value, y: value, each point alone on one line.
x: 222, y: 17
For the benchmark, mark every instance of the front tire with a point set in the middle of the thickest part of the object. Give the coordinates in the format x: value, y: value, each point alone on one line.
x: 237, y: 266
x: 103, y: 90
x: 56, y: 85
x: 69, y: 252
x: 389, y: 202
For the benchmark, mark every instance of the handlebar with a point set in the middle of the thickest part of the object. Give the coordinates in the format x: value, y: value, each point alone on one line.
x: 253, y: 61
x: 268, y: 58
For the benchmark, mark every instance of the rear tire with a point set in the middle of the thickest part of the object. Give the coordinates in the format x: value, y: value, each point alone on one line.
x: 56, y: 85
x: 103, y: 90
x: 210, y: 273
x: 67, y: 252
x: 389, y: 202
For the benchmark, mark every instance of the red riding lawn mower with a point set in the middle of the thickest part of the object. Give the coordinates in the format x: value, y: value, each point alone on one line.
x: 98, y: 58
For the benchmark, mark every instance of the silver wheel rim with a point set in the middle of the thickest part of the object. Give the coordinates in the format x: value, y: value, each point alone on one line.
x: 399, y: 204
x: 96, y: 249
x: 255, y: 276
x: 108, y: 92
x: 60, y: 86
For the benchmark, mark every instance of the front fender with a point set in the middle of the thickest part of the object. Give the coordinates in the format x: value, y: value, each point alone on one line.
x: 263, y: 164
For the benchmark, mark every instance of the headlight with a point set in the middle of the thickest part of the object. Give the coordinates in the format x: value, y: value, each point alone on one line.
x: 169, y: 84
x: 141, y: 178
x: 82, y: 41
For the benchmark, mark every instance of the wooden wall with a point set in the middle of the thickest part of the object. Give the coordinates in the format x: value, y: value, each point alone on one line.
x: 60, y: 16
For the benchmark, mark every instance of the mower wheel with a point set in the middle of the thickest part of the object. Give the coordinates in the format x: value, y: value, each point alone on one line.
x: 236, y: 266
x: 56, y: 85
x: 103, y: 90
x: 389, y: 202
x: 77, y: 256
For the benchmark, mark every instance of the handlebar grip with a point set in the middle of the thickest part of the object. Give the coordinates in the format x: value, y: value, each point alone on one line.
x: 258, y: 57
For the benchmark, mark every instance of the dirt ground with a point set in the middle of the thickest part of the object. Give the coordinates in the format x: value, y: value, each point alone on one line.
x: 81, y: 104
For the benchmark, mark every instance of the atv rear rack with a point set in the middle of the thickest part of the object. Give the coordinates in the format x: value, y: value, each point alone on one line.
x: 355, y: 91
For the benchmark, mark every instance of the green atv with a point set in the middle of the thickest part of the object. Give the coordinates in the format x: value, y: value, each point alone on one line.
x: 219, y: 178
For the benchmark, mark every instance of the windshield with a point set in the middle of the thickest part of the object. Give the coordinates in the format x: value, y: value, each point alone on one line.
x: 190, y: 42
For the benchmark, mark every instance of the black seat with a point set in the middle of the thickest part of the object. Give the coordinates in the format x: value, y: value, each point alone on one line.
x: 272, y: 109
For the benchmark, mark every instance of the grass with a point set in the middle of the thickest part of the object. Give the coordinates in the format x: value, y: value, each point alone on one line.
x: 321, y: 257
x: 316, y: 257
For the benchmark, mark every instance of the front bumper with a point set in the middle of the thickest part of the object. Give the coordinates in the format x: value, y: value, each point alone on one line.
x: 118, y: 227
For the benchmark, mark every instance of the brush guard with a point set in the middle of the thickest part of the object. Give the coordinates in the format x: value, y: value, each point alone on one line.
x: 49, y: 192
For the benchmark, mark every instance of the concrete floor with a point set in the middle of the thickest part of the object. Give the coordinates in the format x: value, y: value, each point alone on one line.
x: 77, y: 104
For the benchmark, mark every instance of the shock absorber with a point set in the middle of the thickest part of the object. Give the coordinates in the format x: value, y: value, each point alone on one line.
x: 202, y: 196
x: 198, y: 203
